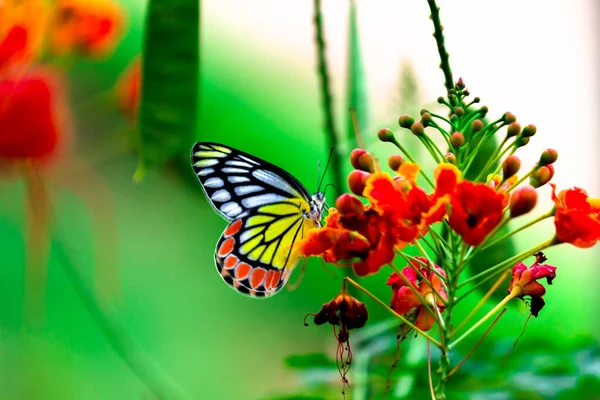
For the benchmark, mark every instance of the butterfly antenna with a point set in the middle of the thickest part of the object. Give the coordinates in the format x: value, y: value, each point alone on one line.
x: 325, y: 170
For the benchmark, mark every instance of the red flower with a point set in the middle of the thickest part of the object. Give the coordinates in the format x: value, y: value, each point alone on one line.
x: 359, y: 237
x: 577, y: 218
x: 128, y: 89
x: 91, y: 27
x: 405, y: 300
x: 30, y: 116
x: 476, y: 209
x: 524, y: 283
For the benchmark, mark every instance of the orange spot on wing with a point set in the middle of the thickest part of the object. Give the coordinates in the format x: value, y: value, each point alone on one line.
x: 252, y: 292
x: 233, y: 228
x: 272, y: 279
x: 257, y: 277
x: 242, y: 270
x: 231, y: 261
x: 226, y: 247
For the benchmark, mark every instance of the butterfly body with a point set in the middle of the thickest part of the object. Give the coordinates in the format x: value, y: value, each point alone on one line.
x: 268, y: 211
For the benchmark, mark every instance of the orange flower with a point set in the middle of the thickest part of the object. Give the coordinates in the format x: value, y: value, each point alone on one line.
x: 405, y: 300
x: 30, y: 115
x: 476, y: 209
x: 409, y: 208
x: 577, y: 218
x: 128, y: 89
x: 92, y: 27
x: 22, y: 28
x: 359, y: 237
x: 524, y: 279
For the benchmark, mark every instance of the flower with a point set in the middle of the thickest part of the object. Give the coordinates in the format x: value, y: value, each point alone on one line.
x: 31, y: 123
x: 577, y: 218
x: 343, y: 311
x: 404, y: 298
x: 362, y: 239
x: 523, y: 282
x: 476, y: 209
x: 128, y: 89
x: 22, y: 30
x: 91, y: 27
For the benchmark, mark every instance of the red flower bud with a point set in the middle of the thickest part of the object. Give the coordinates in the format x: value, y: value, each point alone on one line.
x: 354, y: 156
x: 395, y: 161
x: 426, y: 118
x: 459, y: 111
x: 548, y: 156
x: 385, y: 135
x: 417, y: 128
x: 513, y: 129
x: 476, y: 125
x: 451, y: 158
x: 510, y: 166
x: 522, y: 201
x: 529, y: 130
x: 457, y: 140
x: 509, y: 118
x: 406, y: 121
x: 349, y: 204
x: 541, y: 176
x: 357, y: 181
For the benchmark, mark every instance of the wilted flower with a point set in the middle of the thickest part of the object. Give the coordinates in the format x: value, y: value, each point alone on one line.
x: 404, y: 298
x: 524, y: 282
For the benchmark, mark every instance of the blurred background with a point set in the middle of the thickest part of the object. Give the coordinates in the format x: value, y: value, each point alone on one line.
x: 148, y: 246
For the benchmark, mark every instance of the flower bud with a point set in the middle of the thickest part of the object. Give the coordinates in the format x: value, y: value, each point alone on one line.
x: 459, y: 111
x: 509, y: 118
x: 476, y: 100
x: 366, y: 162
x: 457, y: 139
x: 426, y: 119
x: 510, y: 166
x: 514, y: 128
x: 354, y: 156
x: 417, y: 128
x: 406, y: 121
x: 529, y: 130
x: 357, y: 181
x: 522, y: 201
x: 476, y: 125
x: 549, y: 156
x: 395, y: 161
x: 460, y: 84
x: 441, y: 100
x: 521, y: 141
x: 349, y: 204
x: 541, y: 176
x: 385, y: 135
x: 483, y: 111
x: 451, y: 158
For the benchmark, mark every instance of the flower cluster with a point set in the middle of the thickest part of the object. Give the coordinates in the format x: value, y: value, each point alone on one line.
x: 387, y: 215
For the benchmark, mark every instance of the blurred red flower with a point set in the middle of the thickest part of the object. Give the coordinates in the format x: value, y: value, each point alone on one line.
x: 91, y: 27
x: 128, y: 89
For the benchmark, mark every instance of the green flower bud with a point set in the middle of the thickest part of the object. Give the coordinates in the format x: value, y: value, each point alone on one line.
x: 476, y: 125
x: 510, y: 166
x: 417, y: 128
x: 385, y: 135
x: 426, y: 119
x: 459, y: 111
x: 395, y: 161
x: 509, y: 118
x: 457, y: 139
x: 529, y: 130
x: 406, y: 121
x: 514, y: 128
x: 549, y: 156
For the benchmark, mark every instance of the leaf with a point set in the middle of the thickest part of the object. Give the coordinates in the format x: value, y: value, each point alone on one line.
x: 356, y: 90
x: 170, y: 70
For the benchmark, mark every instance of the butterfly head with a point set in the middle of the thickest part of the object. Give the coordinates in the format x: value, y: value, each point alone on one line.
x: 317, y: 203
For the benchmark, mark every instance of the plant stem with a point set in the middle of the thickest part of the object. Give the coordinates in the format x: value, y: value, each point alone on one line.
x: 327, y: 102
x: 439, y: 39
x: 125, y: 345
x: 493, y: 311
x: 400, y: 317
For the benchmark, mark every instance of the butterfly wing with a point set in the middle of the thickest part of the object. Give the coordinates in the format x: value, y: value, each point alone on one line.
x: 255, y: 254
x: 266, y: 207
x: 236, y: 182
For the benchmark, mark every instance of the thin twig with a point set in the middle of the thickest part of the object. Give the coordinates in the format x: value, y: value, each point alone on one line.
x: 429, y: 370
x: 439, y: 39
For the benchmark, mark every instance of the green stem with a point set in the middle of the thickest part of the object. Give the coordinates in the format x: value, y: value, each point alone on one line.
x: 326, y: 98
x: 122, y: 342
x: 439, y: 39
x: 487, y: 316
x: 400, y: 317
x: 411, y: 159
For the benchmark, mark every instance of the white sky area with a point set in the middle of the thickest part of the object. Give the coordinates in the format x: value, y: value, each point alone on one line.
x: 535, y: 58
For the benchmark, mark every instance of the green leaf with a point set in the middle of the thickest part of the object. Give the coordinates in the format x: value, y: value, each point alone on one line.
x: 356, y: 90
x: 170, y: 69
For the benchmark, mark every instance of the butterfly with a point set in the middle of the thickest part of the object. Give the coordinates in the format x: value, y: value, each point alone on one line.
x: 268, y: 211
